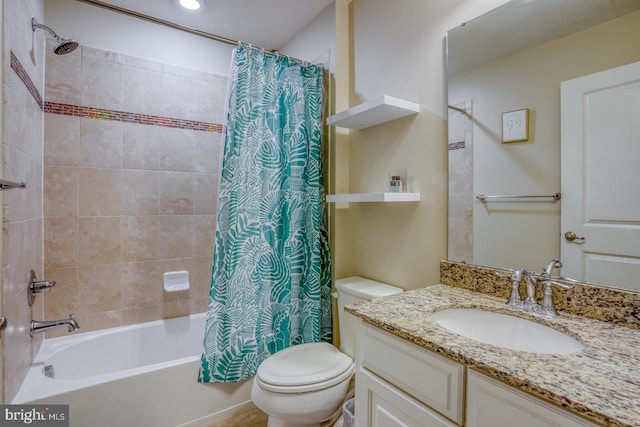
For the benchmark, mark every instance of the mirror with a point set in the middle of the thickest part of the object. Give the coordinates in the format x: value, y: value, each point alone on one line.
x: 511, y: 59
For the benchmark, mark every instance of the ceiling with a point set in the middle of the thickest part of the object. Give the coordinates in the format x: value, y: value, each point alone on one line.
x: 265, y: 23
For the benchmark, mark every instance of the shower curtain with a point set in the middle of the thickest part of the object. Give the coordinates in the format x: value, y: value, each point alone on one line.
x: 270, y: 285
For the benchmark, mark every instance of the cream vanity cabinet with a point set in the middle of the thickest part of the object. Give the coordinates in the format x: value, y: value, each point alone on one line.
x: 401, y: 384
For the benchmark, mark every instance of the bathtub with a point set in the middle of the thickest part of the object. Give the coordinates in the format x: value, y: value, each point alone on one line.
x: 137, y: 375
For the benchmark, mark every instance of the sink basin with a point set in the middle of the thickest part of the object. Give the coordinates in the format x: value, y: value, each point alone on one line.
x: 506, y: 331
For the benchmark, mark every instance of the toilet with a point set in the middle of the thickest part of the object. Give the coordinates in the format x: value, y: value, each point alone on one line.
x: 306, y: 384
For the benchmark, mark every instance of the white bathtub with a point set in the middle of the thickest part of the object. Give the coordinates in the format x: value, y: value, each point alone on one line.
x: 138, y: 375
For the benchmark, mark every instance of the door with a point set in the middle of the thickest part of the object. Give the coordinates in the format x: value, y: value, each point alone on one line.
x: 600, y: 176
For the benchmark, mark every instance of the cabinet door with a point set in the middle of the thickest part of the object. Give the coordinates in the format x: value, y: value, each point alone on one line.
x: 432, y: 379
x: 493, y: 404
x: 379, y: 404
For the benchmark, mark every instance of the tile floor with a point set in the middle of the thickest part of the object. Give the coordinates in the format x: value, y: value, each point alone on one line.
x: 251, y: 418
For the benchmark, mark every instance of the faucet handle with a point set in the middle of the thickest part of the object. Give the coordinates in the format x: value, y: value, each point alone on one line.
x: 514, y: 275
x: 548, y: 283
x: 547, y: 307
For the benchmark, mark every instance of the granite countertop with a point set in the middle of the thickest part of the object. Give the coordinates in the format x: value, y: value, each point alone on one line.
x: 601, y: 383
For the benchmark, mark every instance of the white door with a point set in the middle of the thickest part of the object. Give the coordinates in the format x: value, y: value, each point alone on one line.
x: 601, y: 177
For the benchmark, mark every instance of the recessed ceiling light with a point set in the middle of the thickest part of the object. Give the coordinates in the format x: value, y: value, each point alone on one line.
x: 191, y: 4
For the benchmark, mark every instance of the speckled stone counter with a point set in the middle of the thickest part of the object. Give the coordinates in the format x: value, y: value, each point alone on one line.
x: 601, y: 383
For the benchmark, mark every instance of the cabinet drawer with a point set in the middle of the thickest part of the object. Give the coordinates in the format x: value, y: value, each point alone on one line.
x: 432, y: 379
x: 387, y: 406
x: 493, y: 404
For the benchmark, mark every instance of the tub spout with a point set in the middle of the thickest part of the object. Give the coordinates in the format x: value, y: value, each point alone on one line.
x: 46, y: 325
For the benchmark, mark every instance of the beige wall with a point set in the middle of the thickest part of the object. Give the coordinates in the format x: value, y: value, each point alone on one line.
x: 125, y: 202
x: 530, y: 79
x: 22, y: 208
x: 399, y: 51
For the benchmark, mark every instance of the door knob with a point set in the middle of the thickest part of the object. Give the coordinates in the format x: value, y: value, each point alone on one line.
x: 571, y: 237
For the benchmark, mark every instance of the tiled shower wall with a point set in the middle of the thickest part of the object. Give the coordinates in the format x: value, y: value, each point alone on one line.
x: 131, y: 159
x: 460, y: 143
x: 22, y: 86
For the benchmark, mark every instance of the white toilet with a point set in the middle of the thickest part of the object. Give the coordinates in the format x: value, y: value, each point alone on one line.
x: 305, y: 385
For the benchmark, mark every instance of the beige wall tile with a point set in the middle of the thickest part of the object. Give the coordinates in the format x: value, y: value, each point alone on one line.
x: 100, y: 143
x: 141, y: 146
x: 101, y: 288
x: 205, y: 194
x: 62, y: 140
x: 26, y: 203
x: 102, y: 55
x: 99, y: 239
x: 141, y: 314
x: 62, y: 300
x: 61, y: 242
x: 140, y: 192
x: 100, y: 191
x: 100, y: 320
x: 142, y: 284
x: 204, y: 227
x: 60, y: 191
x: 63, y: 77
x: 175, y: 236
x: 141, y: 94
x: 176, y: 193
x: 206, y: 152
x: 175, y: 149
x: 102, y: 84
x: 140, y: 238
x: 176, y: 309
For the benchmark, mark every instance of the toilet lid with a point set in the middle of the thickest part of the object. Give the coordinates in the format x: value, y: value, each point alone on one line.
x: 311, y: 366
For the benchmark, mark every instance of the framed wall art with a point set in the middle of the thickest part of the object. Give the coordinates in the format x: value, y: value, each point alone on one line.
x: 515, y: 126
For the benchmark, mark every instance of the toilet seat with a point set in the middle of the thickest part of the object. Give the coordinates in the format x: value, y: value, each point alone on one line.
x: 304, y: 368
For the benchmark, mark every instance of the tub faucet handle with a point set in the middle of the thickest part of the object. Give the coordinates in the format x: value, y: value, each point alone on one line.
x: 35, y: 286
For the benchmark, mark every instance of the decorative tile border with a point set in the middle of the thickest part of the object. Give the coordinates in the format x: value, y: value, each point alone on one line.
x: 22, y: 74
x: 104, y: 114
x: 123, y: 116
x: 456, y: 146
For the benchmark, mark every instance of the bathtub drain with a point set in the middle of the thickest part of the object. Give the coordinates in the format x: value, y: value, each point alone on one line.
x: 48, y: 371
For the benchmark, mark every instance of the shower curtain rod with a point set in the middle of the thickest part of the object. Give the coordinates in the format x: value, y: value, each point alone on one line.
x: 180, y: 27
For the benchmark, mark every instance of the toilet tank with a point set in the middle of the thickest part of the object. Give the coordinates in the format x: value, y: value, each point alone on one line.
x: 351, y: 290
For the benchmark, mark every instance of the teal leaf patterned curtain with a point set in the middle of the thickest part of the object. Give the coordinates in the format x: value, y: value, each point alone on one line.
x: 270, y: 285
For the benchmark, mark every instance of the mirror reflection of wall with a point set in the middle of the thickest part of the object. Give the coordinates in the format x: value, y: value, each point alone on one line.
x: 520, y: 234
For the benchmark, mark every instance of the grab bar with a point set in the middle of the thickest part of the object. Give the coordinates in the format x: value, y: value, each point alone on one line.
x: 554, y: 196
x: 8, y: 185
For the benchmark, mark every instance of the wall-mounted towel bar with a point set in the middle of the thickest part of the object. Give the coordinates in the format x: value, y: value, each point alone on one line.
x: 554, y: 196
x: 8, y: 185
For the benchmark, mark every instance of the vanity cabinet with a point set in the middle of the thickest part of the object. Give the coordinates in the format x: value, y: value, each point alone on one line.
x: 491, y: 403
x: 401, y: 384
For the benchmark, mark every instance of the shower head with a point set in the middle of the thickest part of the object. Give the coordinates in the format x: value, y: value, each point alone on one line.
x: 63, y: 46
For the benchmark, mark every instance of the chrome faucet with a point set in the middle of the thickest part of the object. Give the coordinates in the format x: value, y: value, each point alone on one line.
x: 530, y: 302
x: 46, y: 325
x: 554, y: 263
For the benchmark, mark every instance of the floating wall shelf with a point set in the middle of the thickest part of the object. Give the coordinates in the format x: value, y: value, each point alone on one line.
x: 374, y: 197
x: 374, y: 112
